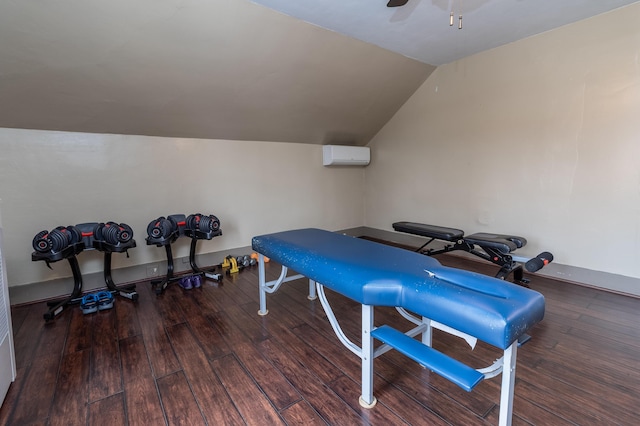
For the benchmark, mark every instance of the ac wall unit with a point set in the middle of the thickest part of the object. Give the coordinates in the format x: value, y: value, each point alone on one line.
x: 340, y: 155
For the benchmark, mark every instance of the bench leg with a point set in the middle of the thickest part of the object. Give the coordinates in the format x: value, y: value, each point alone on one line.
x: 312, y: 290
x: 262, y: 284
x: 367, y: 400
x: 508, y: 384
x: 273, y: 286
x: 427, y: 333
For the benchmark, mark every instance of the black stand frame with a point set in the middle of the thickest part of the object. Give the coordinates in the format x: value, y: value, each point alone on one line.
x: 195, y: 237
x: 56, y: 307
x: 128, y: 291
x: 159, y: 285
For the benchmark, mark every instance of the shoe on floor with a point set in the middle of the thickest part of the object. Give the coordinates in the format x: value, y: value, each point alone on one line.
x: 196, y: 281
x: 105, y: 300
x: 185, y: 282
x: 89, y: 304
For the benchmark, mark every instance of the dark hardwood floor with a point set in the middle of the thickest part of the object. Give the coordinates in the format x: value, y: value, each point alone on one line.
x: 204, y: 356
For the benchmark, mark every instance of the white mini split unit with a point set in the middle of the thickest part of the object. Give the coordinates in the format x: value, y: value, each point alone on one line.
x: 340, y: 155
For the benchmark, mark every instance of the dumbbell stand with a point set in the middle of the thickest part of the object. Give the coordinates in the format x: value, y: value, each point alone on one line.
x: 161, y: 284
x: 69, y: 253
x: 127, y: 291
x: 195, y: 237
x: 57, y: 306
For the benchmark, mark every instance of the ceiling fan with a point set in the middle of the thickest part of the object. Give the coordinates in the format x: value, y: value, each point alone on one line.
x: 396, y: 3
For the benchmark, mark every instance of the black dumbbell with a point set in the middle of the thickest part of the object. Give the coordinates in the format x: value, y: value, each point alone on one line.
x: 161, y: 228
x: 41, y: 242
x: 75, y: 235
x: 209, y: 223
x: 114, y: 233
x: 192, y: 222
x: 51, y: 241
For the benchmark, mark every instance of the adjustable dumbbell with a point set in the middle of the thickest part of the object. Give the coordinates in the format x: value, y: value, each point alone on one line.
x: 199, y: 222
x: 209, y: 223
x: 75, y: 235
x: 56, y: 240
x: 42, y: 242
x: 192, y: 221
x: 114, y: 233
x: 160, y: 228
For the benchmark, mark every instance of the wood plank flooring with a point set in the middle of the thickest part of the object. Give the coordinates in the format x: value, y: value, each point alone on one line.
x: 205, y: 356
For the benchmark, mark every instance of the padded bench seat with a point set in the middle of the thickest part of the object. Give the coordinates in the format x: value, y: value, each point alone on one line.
x: 430, y: 231
x: 495, y: 248
x: 503, y: 243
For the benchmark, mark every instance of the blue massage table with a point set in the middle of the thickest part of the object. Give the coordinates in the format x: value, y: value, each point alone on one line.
x: 469, y: 305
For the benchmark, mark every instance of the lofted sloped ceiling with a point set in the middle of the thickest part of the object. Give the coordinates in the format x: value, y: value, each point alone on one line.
x: 223, y: 69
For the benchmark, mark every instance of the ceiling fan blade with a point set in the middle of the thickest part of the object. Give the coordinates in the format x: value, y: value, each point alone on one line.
x: 396, y: 3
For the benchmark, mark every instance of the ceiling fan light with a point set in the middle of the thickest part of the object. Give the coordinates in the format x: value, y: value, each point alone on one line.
x: 396, y: 3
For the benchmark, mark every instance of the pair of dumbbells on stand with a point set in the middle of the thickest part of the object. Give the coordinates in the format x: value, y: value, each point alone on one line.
x: 163, y: 231
x: 109, y: 238
x: 67, y: 242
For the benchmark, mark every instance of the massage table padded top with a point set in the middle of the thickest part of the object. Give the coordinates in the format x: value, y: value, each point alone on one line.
x: 493, y: 310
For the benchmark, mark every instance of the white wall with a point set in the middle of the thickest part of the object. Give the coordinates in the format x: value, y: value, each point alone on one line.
x: 538, y: 138
x: 51, y: 178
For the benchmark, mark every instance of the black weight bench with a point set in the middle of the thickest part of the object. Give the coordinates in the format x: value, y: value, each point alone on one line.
x: 495, y: 248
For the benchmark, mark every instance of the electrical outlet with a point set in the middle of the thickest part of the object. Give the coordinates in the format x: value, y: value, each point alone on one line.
x: 152, y: 271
